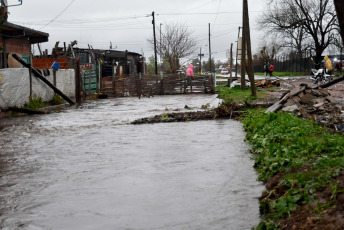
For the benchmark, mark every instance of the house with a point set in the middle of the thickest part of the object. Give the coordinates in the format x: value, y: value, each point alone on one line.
x: 118, y: 62
x: 17, y: 39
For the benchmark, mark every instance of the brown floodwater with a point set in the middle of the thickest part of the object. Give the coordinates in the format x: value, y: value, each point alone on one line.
x: 89, y: 168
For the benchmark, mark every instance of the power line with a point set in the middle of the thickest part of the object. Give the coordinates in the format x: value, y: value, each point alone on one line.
x: 231, y: 12
x: 217, y: 14
x: 58, y: 14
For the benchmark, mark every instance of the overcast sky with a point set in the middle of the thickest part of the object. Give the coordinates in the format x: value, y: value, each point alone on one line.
x: 127, y: 24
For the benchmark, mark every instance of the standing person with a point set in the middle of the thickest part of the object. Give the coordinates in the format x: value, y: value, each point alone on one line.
x: 339, y: 67
x: 189, y: 75
x: 328, y: 65
x: 271, y: 70
x: 267, y: 68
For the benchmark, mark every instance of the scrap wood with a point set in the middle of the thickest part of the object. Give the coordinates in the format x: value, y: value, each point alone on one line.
x: 267, y: 83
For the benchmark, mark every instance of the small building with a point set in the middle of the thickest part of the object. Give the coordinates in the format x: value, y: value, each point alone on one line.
x: 124, y: 62
x: 16, y: 39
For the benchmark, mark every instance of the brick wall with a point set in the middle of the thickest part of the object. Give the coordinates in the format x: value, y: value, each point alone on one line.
x: 19, y: 46
x: 48, y: 62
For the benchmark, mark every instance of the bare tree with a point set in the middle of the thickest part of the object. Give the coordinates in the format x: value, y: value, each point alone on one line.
x: 176, y: 43
x: 313, y: 19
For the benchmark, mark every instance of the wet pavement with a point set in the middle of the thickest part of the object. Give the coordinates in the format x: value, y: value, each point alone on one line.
x: 89, y: 168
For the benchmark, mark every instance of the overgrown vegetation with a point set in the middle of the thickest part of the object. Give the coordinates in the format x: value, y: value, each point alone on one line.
x: 35, y: 103
x: 57, y: 100
x: 296, y: 158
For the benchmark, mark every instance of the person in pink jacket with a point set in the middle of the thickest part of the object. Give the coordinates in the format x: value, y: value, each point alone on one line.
x: 189, y: 76
x: 189, y: 71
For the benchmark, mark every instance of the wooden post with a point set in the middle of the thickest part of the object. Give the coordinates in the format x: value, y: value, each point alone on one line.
x: 339, y: 5
x: 236, y: 59
x: 4, y: 52
x: 54, y: 52
x: 162, y: 87
x: 54, y: 75
x: 243, y: 52
x: 191, y: 84
x: 40, y: 51
x: 77, y: 81
x: 249, y: 52
x: 30, y: 72
x: 231, y: 64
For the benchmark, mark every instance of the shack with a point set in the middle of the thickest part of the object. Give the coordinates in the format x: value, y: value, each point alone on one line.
x: 114, y: 63
x: 16, y: 39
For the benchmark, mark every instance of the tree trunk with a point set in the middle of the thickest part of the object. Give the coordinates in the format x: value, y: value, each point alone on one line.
x: 339, y: 4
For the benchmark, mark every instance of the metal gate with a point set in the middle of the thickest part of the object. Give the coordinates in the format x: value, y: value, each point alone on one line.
x: 89, y: 79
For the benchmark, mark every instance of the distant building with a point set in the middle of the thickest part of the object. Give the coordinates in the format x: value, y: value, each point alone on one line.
x: 125, y: 61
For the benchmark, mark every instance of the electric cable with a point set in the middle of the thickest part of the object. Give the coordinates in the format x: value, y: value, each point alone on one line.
x: 58, y: 14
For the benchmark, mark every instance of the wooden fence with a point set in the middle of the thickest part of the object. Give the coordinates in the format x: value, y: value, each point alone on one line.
x: 148, y: 85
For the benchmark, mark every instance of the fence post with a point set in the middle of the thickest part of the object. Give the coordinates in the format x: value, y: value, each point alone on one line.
x: 77, y: 81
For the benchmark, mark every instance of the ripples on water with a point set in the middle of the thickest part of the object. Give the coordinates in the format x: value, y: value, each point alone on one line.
x: 88, y: 168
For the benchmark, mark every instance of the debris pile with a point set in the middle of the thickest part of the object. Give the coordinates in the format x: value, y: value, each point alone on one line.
x: 311, y: 103
x: 267, y: 83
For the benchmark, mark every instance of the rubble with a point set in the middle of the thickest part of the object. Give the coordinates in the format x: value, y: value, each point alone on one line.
x: 311, y: 103
x: 267, y: 83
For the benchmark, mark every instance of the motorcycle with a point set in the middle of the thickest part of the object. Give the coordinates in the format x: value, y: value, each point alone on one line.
x: 320, y: 76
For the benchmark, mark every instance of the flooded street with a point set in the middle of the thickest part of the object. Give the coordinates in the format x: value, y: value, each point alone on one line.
x: 89, y: 168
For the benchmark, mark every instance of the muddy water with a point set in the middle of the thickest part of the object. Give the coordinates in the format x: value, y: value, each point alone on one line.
x: 88, y: 168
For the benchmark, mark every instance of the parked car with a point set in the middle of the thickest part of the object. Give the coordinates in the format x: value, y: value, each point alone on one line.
x: 225, y: 71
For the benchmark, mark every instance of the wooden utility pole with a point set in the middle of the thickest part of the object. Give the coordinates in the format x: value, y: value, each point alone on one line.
x: 243, y: 51
x: 155, y: 55
x: 231, y: 64
x: 236, y: 59
x: 339, y: 4
x: 249, y: 51
x: 210, y: 52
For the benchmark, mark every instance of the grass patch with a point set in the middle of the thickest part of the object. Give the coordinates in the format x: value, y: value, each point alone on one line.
x: 302, y: 155
x: 35, y: 103
x: 57, y: 100
x: 235, y: 94
x: 284, y: 74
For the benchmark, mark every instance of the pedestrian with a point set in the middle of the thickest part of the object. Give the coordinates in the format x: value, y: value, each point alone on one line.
x: 339, y: 67
x: 271, y: 69
x: 189, y: 75
x: 267, y: 68
x: 328, y: 65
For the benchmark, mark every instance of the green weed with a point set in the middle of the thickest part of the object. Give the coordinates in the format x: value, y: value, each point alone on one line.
x: 57, y: 100
x: 164, y: 116
x: 308, y: 156
x: 34, y: 103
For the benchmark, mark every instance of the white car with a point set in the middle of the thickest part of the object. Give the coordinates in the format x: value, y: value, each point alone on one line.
x: 225, y: 71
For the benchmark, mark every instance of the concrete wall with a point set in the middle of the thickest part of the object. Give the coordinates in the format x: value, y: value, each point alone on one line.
x: 15, y: 86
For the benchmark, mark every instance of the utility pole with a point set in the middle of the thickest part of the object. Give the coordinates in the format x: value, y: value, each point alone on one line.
x: 160, y: 43
x: 155, y: 56
x: 200, y: 59
x: 210, y: 51
x: 249, y: 51
x: 236, y: 59
x: 231, y: 64
x: 243, y: 51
